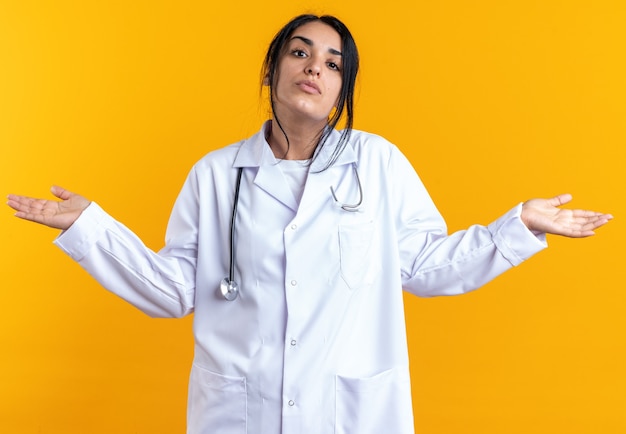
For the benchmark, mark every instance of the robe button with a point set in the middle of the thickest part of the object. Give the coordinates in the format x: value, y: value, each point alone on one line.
x: 291, y: 403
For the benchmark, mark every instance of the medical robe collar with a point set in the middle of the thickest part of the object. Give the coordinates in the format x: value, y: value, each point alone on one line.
x: 255, y: 152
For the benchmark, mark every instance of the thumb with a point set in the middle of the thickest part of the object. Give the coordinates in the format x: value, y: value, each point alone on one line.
x: 559, y: 200
x: 60, y: 192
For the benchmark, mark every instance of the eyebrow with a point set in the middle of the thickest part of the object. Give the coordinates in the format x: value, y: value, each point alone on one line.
x: 310, y: 43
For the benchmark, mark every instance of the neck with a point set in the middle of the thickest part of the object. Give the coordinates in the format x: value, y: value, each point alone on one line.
x: 303, y: 140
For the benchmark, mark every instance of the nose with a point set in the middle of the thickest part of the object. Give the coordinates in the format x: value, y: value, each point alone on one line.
x: 313, y: 68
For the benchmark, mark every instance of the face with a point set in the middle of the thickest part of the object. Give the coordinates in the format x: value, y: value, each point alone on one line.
x: 308, y: 80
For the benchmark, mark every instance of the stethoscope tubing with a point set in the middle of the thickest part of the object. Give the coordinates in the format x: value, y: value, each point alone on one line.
x: 231, y: 272
x: 228, y: 287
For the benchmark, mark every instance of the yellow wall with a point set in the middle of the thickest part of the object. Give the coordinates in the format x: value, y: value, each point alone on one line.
x: 493, y: 101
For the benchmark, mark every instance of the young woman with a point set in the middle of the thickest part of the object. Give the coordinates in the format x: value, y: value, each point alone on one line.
x: 292, y: 248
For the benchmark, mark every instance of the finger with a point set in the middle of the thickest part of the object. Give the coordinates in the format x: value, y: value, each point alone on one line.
x: 30, y: 209
x: 559, y: 200
x: 595, y: 223
x: 579, y: 231
x: 582, y: 216
x: 592, y: 219
x: 583, y: 213
x: 14, y: 198
x: 24, y: 203
x: 13, y: 203
x: 584, y: 227
x: 33, y: 217
x: 60, y: 192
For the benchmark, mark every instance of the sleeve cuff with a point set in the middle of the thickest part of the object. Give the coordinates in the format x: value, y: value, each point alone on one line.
x: 513, y: 239
x: 84, y: 232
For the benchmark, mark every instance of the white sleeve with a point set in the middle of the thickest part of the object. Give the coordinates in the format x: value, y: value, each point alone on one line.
x: 435, y: 263
x: 159, y: 284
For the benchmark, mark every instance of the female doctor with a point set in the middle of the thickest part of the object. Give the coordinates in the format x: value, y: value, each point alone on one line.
x: 292, y: 247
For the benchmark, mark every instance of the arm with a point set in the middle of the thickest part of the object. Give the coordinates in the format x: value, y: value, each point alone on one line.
x: 160, y: 284
x: 437, y: 263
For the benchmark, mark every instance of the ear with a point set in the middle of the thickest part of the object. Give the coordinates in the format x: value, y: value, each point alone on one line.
x: 266, y: 79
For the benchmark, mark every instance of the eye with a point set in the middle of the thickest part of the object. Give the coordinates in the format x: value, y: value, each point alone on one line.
x: 298, y: 52
x: 333, y: 66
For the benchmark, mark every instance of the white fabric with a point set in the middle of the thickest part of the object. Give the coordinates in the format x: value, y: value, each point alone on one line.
x: 295, y: 172
x: 316, y: 341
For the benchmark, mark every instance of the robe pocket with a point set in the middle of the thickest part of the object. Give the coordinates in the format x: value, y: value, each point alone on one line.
x: 356, y: 251
x: 374, y: 405
x: 217, y: 403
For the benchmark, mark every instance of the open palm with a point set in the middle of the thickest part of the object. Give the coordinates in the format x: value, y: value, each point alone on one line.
x: 542, y: 215
x: 56, y: 214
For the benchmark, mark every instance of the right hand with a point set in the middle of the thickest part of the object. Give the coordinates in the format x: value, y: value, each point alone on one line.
x: 55, y: 214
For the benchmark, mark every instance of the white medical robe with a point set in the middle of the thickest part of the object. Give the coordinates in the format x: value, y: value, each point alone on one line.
x: 315, y: 343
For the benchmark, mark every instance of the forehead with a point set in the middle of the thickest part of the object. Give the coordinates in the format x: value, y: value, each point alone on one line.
x: 319, y: 33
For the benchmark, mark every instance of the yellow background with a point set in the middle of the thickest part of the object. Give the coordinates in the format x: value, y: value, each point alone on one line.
x: 493, y: 101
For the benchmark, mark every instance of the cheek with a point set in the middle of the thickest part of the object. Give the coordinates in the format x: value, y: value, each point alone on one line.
x: 277, y: 88
x: 336, y: 90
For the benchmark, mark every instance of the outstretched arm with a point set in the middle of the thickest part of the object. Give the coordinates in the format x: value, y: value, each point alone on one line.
x: 55, y: 214
x: 160, y: 284
x: 543, y: 215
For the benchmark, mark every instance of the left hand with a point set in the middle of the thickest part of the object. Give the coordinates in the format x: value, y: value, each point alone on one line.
x: 542, y: 215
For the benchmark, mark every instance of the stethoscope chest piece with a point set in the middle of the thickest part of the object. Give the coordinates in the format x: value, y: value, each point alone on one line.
x: 229, y: 289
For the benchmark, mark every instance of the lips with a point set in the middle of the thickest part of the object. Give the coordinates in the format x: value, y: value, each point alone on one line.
x: 309, y: 87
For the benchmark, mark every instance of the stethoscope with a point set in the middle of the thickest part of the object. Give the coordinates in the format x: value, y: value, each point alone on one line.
x: 228, y: 287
